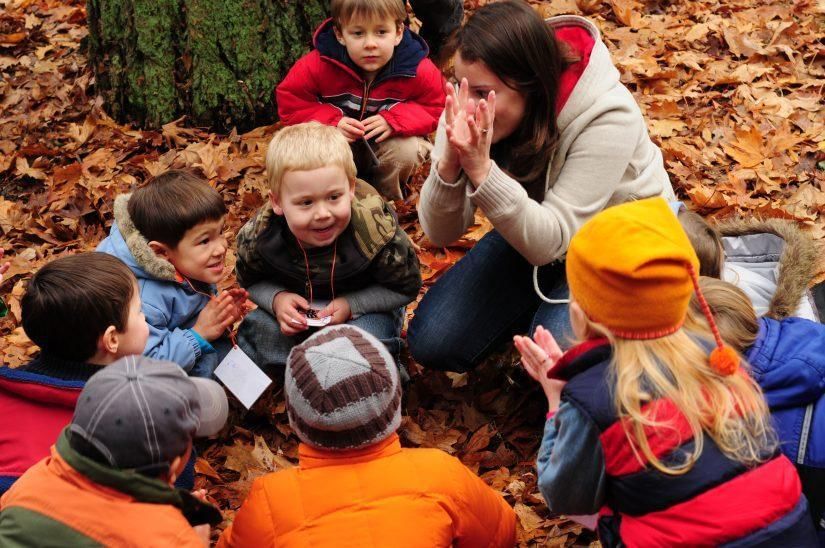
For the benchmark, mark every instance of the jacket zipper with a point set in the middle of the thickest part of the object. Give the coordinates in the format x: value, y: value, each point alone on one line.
x: 806, y: 430
x: 367, y: 86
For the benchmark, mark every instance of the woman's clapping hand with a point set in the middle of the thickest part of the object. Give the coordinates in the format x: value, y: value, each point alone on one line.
x: 469, y: 135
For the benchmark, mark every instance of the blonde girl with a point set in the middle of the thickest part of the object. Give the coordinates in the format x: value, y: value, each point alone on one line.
x: 662, y: 434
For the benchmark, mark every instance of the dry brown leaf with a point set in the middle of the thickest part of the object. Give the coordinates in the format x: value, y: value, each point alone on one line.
x: 746, y: 147
x: 527, y: 517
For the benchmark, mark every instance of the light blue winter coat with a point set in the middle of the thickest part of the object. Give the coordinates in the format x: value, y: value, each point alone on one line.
x: 171, y: 306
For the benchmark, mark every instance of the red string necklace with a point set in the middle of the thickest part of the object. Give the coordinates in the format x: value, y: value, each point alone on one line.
x: 331, y: 270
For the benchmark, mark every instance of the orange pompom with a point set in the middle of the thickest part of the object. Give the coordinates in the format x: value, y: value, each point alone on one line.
x: 724, y: 360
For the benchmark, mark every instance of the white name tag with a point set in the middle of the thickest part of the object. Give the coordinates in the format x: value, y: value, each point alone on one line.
x: 242, y: 377
x: 318, y: 322
x: 315, y: 321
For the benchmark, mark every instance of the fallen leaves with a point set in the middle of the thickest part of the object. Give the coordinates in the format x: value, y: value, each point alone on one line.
x: 732, y: 92
x: 746, y: 147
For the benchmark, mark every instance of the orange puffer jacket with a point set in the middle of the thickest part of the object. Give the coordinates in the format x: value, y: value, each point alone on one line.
x: 381, y: 495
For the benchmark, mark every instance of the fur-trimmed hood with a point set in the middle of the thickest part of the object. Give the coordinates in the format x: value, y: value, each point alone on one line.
x: 796, y: 255
x: 130, y: 246
x: 170, y: 304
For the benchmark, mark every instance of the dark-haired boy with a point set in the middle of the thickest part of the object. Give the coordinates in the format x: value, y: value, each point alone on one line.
x: 108, y: 481
x: 38, y: 399
x: 170, y: 233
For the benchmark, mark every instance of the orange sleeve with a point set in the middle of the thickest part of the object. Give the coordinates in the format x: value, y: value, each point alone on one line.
x: 483, y: 516
x: 253, y: 525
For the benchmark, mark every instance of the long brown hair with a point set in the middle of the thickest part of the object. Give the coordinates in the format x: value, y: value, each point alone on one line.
x: 513, y: 41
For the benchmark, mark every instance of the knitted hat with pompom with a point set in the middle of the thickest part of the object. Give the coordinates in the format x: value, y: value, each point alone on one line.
x: 632, y: 269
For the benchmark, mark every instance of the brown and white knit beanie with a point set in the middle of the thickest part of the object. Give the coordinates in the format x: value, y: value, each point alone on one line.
x: 342, y: 389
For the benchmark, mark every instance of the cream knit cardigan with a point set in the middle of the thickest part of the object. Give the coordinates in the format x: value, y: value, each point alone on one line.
x: 604, y: 157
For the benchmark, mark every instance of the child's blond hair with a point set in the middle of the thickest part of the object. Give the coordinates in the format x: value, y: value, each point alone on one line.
x: 304, y: 147
x: 732, y: 310
x: 729, y: 408
x: 344, y: 11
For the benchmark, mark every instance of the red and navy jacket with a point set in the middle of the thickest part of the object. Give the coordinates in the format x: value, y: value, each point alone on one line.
x: 35, y: 408
x: 587, y: 464
x: 325, y: 85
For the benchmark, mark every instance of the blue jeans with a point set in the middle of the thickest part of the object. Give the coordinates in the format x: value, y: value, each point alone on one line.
x: 481, y: 302
x: 260, y: 337
x: 207, y: 363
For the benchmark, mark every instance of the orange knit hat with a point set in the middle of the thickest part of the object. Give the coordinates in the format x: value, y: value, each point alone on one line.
x: 632, y: 269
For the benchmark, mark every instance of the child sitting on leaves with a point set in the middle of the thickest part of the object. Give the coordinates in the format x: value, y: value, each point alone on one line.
x: 170, y: 233
x: 325, y: 243
x: 369, y: 76
x: 670, y: 445
x: 787, y: 358
x: 84, y: 312
x: 108, y: 481
x: 355, y: 485
x: 772, y: 260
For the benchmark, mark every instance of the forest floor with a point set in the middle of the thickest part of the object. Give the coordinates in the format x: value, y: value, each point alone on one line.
x: 731, y: 91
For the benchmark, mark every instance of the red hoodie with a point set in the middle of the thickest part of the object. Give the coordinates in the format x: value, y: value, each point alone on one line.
x: 580, y: 43
x: 325, y: 85
x: 35, y: 408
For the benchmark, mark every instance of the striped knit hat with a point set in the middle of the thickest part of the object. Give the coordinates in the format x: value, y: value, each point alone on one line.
x: 342, y: 389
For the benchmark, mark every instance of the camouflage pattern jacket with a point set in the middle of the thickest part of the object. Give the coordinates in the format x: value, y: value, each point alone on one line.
x: 376, y: 268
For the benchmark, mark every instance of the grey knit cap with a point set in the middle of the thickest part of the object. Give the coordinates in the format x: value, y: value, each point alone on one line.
x: 342, y: 389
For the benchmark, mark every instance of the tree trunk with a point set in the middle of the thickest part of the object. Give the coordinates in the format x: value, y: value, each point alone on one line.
x: 217, y: 61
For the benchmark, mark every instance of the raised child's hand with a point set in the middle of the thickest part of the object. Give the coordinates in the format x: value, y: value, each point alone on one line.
x: 240, y: 297
x: 288, y: 309
x: 339, y: 309
x: 538, y: 356
x: 351, y: 128
x: 218, y: 314
x: 378, y: 127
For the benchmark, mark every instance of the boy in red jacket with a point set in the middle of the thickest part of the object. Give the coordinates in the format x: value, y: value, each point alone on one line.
x: 370, y: 77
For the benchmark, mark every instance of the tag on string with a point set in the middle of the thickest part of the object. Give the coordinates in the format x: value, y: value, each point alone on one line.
x: 312, y: 314
x: 242, y: 377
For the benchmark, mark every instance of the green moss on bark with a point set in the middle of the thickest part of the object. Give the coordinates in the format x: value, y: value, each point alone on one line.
x: 217, y: 61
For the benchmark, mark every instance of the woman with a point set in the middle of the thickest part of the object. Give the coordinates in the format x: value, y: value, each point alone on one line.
x: 540, y: 136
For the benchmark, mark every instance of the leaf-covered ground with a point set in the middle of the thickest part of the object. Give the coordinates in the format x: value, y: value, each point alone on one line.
x: 732, y: 91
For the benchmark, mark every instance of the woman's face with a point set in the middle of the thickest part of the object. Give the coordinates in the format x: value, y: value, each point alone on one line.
x: 510, y: 104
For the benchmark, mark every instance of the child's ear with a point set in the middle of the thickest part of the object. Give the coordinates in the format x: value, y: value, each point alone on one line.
x: 338, y: 35
x: 578, y: 320
x: 160, y: 249
x: 352, y: 190
x: 276, y: 206
x: 399, y: 33
x: 109, y: 342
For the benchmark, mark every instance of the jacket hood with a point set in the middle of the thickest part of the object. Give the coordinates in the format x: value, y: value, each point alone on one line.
x: 797, y: 263
x: 598, y: 77
x: 404, y: 62
x: 128, y: 244
x: 141, y: 488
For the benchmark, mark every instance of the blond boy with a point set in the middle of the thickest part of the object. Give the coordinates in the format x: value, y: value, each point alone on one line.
x: 369, y: 76
x: 325, y: 249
